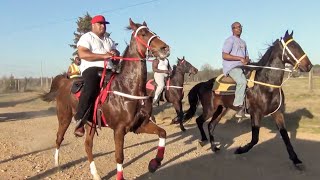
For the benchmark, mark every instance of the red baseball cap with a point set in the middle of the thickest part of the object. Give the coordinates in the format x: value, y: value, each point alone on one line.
x: 99, y: 19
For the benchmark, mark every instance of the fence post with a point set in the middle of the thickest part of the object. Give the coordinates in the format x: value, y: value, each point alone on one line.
x: 310, y: 80
x: 18, y: 87
x: 47, y: 83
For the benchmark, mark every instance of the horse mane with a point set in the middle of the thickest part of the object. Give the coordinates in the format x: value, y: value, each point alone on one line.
x: 265, y: 58
x: 174, y: 70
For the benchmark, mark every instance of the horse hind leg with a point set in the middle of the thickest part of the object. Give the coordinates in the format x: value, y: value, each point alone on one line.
x: 200, y: 121
x: 279, y: 118
x: 220, y: 112
x: 64, y: 117
x: 90, y: 132
x: 151, y: 128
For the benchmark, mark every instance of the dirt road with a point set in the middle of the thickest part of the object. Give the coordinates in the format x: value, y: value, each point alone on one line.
x: 27, y: 140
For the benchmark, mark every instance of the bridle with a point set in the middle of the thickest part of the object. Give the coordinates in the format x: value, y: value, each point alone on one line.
x: 285, y: 47
x: 140, y: 41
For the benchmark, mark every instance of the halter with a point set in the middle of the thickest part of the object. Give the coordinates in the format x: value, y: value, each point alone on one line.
x: 285, y: 47
x: 139, y: 40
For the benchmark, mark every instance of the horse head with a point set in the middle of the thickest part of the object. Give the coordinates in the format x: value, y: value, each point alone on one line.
x: 186, y: 66
x: 147, y: 41
x: 294, y: 54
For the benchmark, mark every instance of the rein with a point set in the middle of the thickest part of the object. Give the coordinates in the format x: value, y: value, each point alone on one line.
x: 285, y: 47
x: 138, y: 40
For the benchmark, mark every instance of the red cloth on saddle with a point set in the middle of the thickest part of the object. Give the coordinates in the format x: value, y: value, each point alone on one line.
x: 149, y: 85
x: 78, y: 94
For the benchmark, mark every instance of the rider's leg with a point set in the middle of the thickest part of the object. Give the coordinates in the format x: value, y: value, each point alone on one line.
x: 159, y: 79
x: 88, y: 94
x: 237, y: 75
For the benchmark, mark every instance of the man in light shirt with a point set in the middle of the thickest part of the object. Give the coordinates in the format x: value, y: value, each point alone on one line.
x: 161, y: 69
x: 93, y: 48
x: 234, y: 54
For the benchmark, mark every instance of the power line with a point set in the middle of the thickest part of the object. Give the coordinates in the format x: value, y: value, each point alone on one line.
x: 73, y: 19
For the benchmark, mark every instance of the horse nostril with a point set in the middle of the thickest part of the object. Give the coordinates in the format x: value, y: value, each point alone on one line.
x: 310, y: 66
x: 165, y: 48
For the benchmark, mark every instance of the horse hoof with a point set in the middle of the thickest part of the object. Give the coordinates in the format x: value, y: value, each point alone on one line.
x: 153, y: 165
x: 298, y: 164
x: 215, y: 149
x: 300, y: 167
x: 239, y: 151
x: 174, y: 122
x: 202, y: 143
x: 183, y: 129
x: 96, y: 177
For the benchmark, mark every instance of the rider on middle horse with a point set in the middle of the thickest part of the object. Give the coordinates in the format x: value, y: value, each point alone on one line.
x: 161, y: 69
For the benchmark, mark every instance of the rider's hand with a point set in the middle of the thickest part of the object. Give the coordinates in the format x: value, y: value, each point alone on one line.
x: 108, y: 55
x: 244, y: 60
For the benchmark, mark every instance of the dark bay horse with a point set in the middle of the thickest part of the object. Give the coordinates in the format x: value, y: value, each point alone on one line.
x: 174, y: 88
x: 264, y: 98
x: 124, y: 114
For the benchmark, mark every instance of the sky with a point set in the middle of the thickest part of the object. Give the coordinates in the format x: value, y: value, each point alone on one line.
x: 35, y: 34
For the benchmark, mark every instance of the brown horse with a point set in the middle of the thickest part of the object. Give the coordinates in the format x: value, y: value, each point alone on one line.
x: 174, y: 88
x: 264, y: 98
x: 128, y: 112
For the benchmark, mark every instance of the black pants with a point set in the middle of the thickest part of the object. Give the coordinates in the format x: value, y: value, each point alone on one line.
x: 89, y: 92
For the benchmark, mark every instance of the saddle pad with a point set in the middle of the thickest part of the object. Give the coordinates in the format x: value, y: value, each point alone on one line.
x: 227, y: 85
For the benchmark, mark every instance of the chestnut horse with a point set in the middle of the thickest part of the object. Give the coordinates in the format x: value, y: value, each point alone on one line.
x: 264, y: 98
x: 127, y: 108
x: 174, y: 88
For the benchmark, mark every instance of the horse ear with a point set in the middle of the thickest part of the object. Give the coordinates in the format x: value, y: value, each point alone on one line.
x: 178, y: 58
x: 291, y: 33
x: 183, y: 57
x: 132, y: 25
x: 286, y: 34
x: 144, y: 23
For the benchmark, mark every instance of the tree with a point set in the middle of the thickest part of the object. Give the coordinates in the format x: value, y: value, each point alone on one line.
x: 84, y: 26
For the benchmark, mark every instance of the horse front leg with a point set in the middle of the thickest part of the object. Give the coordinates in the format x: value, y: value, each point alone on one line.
x: 255, y: 128
x: 279, y: 118
x: 151, y: 128
x: 119, y: 134
x: 88, y: 146
x: 178, y: 107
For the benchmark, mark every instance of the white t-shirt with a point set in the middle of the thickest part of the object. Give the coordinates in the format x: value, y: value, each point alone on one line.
x: 163, y: 64
x: 96, y: 45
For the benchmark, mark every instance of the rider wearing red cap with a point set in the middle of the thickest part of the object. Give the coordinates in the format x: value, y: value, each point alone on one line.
x: 93, y: 48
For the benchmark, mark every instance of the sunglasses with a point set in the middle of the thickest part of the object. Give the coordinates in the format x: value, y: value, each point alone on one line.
x: 237, y: 27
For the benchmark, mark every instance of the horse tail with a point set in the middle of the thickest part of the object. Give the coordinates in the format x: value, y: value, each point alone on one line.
x: 194, y: 95
x: 52, y: 94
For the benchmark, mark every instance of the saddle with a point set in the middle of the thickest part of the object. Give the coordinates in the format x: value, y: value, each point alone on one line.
x: 225, y: 85
x: 79, y: 81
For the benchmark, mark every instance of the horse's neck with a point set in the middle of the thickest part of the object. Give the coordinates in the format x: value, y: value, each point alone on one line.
x: 274, y: 77
x: 134, y: 73
x: 178, y: 78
